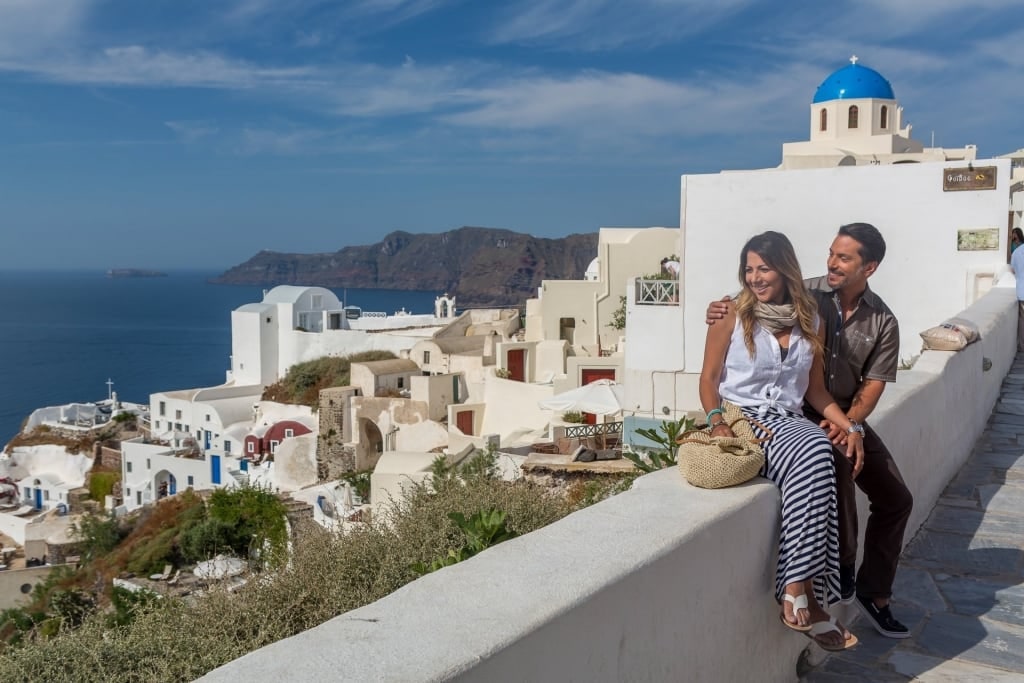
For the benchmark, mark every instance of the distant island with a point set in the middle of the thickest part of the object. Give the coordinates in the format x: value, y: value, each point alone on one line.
x: 134, y: 272
x: 479, y: 266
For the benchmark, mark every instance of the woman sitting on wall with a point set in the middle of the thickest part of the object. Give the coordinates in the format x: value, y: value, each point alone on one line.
x: 764, y: 358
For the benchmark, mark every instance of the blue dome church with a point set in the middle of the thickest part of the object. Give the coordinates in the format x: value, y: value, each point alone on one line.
x: 856, y: 120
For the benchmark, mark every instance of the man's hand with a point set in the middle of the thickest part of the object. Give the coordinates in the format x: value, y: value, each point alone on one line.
x: 855, y: 453
x: 717, y: 310
x: 836, y: 435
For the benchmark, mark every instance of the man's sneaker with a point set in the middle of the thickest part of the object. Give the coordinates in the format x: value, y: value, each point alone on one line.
x: 847, y: 584
x: 882, y: 619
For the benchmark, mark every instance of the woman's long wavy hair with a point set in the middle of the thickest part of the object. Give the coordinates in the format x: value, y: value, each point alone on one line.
x: 777, y: 252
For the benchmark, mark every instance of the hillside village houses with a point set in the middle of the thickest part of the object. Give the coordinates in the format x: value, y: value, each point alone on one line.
x: 434, y: 397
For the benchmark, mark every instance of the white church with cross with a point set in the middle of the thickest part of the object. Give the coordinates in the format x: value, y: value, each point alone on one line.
x: 856, y: 120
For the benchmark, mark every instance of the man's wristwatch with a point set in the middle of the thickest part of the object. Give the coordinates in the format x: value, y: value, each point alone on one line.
x: 855, y: 428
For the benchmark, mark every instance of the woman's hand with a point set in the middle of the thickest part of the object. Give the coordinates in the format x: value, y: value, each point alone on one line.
x: 722, y: 429
x: 855, y: 451
x: 836, y: 435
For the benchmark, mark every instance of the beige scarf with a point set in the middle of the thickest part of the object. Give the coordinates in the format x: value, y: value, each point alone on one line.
x: 775, y: 317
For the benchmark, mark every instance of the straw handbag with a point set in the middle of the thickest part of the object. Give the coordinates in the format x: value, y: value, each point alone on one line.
x: 715, y: 462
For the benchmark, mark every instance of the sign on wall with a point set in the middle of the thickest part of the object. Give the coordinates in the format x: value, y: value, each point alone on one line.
x: 977, y: 239
x: 957, y: 179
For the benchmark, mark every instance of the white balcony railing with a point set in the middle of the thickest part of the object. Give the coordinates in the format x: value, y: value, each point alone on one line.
x: 657, y: 292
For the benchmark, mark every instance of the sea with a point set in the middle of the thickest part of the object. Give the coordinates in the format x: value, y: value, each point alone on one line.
x: 64, y: 335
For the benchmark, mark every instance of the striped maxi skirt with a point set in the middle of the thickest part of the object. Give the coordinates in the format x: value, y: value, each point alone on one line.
x: 798, y: 459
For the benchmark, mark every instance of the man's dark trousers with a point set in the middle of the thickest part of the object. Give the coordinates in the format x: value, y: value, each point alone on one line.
x: 890, y: 506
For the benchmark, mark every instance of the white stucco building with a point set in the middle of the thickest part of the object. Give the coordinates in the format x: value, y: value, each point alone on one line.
x: 295, y: 324
x: 290, y: 325
x: 580, y: 312
x: 1017, y: 189
x: 44, y: 474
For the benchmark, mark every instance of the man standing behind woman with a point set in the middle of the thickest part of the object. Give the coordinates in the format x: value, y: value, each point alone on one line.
x: 767, y: 358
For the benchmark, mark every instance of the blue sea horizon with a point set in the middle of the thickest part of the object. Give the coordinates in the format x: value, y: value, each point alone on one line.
x: 67, y: 331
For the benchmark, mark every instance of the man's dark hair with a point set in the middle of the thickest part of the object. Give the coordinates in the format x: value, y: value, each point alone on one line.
x: 872, y: 244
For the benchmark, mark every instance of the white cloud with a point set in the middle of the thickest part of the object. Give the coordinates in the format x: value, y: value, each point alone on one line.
x: 372, y: 90
x: 285, y: 142
x: 192, y: 131
x: 356, y: 16
x: 134, y: 65
x: 29, y: 26
x: 604, y: 105
x: 284, y: 139
x: 915, y: 12
x: 310, y: 39
x: 501, y: 107
x: 602, y: 24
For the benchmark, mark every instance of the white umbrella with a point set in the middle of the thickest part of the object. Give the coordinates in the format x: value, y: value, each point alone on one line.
x: 220, y: 567
x: 601, y: 397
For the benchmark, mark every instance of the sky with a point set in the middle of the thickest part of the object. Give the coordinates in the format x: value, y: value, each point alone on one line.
x: 170, y: 134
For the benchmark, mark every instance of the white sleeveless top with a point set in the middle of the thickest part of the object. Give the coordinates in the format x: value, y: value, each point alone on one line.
x: 766, y: 381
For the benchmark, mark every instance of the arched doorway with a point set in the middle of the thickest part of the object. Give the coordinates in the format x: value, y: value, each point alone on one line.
x: 370, y: 444
x: 165, y: 484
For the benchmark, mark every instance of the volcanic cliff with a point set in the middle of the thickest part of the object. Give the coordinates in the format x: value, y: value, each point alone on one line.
x: 480, y: 266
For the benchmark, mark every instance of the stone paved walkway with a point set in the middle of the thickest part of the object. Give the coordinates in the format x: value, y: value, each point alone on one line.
x: 960, y: 585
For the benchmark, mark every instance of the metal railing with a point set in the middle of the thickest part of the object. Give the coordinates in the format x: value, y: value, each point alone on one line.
x: 657, y: 292
x: 600, y: 429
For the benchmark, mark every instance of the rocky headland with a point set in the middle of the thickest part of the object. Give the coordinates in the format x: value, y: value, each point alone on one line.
x: 479, y: 266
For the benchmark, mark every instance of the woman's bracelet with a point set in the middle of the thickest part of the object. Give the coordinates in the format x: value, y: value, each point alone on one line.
x: 712, y: 413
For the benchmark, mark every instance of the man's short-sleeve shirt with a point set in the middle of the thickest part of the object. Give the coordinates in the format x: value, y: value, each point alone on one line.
x: 866, y: 346
x: 1017, y: 264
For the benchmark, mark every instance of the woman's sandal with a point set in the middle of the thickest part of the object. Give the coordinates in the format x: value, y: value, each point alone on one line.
x: 820, y: 628
x: 799, y: 602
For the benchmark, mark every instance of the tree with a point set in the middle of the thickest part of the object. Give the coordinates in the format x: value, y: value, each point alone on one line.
x: 619, y: 315
x: 98, y: 534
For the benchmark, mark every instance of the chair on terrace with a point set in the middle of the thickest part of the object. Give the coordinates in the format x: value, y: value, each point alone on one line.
x: 162, y: 577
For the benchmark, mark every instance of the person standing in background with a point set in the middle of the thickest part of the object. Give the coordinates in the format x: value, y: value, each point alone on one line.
x: 1017, y: 266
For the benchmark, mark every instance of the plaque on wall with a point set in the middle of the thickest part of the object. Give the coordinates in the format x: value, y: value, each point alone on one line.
x: 981, y: 178
x: 977, y: 239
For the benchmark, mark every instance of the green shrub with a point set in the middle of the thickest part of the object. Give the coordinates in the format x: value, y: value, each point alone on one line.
x: 619, y: 316
x: 360, y: 481
x: 328, y: 574
x: 665, y: 436
x: 101, y: 484
x: 150, y: 557
x: 129, y: 604
x: 303, y: 381
x: 98, y: 534
x: 481, y: 530
x: 72, y: 606
x: 207, y: 538
x: 254, y: 518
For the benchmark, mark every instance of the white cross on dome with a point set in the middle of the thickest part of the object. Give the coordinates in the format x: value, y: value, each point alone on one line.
x: 853, y: 59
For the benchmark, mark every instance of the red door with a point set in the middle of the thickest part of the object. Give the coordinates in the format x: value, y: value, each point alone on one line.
x: 516, y: 364
x: 464, y: 421
x: 589, y: 375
